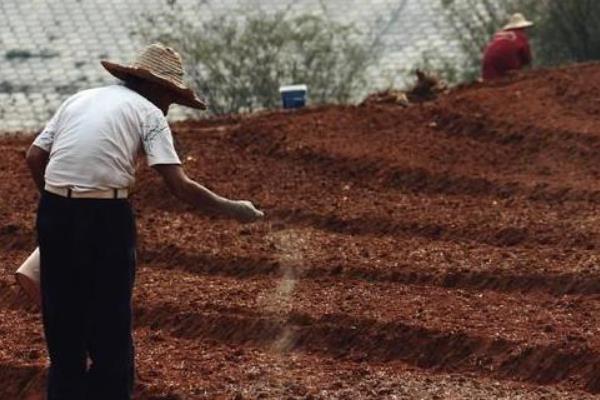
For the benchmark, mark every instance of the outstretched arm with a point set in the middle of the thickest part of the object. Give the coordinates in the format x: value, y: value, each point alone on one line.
x: 37, y: 159
x: 202, y: 198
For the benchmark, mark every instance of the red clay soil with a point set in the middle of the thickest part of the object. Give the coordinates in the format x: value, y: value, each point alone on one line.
x: 446, y: 250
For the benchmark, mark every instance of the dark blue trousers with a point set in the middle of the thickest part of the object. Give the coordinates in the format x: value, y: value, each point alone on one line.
x: 87, y: 249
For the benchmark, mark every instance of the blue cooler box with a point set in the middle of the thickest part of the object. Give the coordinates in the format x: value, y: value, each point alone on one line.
x: 293, y: 96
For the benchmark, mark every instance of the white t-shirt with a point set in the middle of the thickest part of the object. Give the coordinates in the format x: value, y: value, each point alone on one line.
x: 96, y: 135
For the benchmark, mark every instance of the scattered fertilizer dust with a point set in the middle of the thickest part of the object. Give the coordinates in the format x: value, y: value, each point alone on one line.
x: 288, y: 252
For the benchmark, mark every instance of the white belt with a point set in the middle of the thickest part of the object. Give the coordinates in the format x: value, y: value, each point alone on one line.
x: 92, y: 194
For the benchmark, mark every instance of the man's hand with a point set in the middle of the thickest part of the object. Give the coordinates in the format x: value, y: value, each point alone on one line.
x: 244, y: 211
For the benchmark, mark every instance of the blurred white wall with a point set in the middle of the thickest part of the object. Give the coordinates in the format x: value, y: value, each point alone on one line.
x: 49, y: 49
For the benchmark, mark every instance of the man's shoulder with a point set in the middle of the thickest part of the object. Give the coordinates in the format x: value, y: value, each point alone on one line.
x: 132, y: 98
x: 505, y: 35
x: 120, y: 96
x: 92, y: 93
x: 115, y: 91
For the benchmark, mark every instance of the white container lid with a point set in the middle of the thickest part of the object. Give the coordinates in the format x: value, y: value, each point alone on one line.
x: 293, y: 88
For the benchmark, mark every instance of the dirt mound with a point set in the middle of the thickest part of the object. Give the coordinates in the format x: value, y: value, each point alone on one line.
x: 427, y: 87
x: 391, y: 96
x: 442, y: 250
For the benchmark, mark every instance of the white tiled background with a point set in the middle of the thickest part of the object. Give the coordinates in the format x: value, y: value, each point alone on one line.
x: 49, y: 49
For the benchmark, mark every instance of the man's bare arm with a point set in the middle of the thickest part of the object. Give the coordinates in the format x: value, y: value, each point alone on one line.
x: 37, y: 159
x: 205, y: 200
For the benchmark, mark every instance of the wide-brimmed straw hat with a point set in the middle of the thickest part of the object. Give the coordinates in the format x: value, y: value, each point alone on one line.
x: 517, y: 21
x: 161, y: 65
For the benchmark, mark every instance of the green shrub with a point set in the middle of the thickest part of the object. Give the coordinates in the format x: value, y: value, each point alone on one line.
x: 569, y: 31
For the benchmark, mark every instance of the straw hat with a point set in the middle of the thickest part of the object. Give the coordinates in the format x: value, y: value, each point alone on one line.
x: 517, y: 21
x: 161, y: 65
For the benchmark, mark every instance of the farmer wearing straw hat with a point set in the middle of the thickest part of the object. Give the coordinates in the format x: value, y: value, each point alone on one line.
x: 508, y: 50
x: 83, y: 163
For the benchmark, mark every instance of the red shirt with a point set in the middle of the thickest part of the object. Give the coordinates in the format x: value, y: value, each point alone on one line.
x: 508, y: 50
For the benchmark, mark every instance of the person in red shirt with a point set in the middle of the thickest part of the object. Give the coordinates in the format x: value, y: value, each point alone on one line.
x: 508, y: 50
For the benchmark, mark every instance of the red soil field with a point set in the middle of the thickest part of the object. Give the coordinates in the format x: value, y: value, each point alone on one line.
x: 445, y: 250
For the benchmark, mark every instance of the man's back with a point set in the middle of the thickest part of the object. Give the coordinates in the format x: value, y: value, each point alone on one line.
x: 508, y: 50
x: 100, y: 131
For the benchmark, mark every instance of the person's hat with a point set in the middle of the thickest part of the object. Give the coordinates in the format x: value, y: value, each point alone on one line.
x: 517, y: 21
x: 161, y: 65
